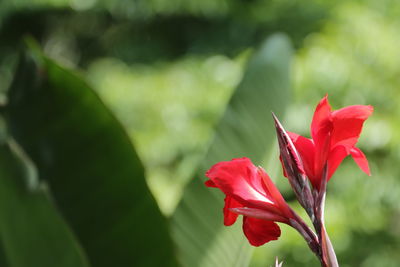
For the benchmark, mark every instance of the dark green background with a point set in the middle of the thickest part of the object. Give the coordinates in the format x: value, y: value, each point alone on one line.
x: 118, y: 107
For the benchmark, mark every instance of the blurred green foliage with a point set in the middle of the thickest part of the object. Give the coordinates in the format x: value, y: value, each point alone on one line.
x: 167, y: 70
x: 243, y: 130
x: 21, y: 204
x: 86, y: 158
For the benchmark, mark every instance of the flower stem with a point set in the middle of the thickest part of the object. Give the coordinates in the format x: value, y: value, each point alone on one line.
x: 327, y: 249
x: 328, y: 258
x: 309, y: 236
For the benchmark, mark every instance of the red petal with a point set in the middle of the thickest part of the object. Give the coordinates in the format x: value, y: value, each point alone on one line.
x: 229, y: 216
x: 306, y: 149
x: 347, y: 124
x: 259, y: 232
x: 336, y: 156
x: 239, y: 179
x: 321, y: 128
x: 276, y: 195
x: 260, y: 214
x: 360, y: 112
x: 321, y: 117
x: 360, y: 159
x: 209, y: 183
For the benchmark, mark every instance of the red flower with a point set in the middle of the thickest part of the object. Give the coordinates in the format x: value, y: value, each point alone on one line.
x: 250, y: 192
x: 334, y: 135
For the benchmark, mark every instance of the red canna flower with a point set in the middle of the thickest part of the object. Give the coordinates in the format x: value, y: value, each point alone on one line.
x: 250, y: 192
x: 334, y: 136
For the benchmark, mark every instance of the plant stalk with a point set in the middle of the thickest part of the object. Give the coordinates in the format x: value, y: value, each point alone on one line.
x: 328, y: 258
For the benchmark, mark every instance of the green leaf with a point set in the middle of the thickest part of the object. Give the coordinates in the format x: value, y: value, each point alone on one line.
x: 92, y: 169
x: 245, y: 130
x: 3, y: 259
x: 31, y: 229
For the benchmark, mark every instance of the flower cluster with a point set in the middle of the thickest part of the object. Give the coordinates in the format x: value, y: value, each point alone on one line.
x: 308, y: 164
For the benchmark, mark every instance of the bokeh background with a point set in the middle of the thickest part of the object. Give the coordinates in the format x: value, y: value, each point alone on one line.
x: 168, y: 69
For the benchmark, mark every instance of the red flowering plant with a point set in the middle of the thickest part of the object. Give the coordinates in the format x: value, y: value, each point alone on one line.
x: 308, y: 164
